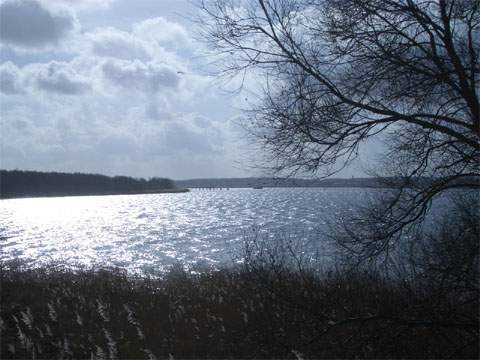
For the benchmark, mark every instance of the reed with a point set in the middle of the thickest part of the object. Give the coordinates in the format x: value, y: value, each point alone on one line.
x: 239, y: 312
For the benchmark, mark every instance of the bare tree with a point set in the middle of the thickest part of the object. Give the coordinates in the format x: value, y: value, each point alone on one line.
x: 339, y: 72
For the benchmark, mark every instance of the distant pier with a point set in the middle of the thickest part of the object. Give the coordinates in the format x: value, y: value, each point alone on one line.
x: 209, y: 188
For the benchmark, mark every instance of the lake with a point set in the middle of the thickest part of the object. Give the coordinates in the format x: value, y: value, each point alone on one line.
x: 146, y: 233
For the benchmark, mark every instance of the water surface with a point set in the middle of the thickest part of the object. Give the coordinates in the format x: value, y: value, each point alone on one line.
x: 144, y: 233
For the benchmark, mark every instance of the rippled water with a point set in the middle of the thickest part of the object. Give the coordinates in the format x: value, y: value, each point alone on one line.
x: 148, y: 232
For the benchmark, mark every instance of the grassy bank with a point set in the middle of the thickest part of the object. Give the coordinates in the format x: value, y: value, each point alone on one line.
x: 51, y: 313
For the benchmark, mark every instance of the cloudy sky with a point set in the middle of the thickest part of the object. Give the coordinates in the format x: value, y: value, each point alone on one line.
x: 114, y: 87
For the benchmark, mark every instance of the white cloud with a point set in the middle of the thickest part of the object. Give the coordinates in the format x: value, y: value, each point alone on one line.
x: 166, y: 33
x: 111, y: 42
x: 136, y: 75
x: 202, y: 122
x: 121, y: 102
x: 55, y: 77
x: 184, y: 137
x: 85, y: 4
x: 30, y: 24
x: 157, y: 109
x: 117, y: 143
x: 153, y: 39
x: 60, y: 78
x: 10, y: 79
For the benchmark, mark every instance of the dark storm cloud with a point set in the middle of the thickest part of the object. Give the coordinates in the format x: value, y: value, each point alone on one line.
x: 29, y: 24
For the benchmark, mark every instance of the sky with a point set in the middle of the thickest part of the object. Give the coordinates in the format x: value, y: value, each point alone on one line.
x: 117, y: 87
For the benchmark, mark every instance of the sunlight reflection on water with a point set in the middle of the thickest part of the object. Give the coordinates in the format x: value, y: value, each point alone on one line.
x: 144, y: 233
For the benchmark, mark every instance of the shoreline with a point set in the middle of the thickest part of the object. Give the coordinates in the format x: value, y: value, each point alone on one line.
x: 159, y: 191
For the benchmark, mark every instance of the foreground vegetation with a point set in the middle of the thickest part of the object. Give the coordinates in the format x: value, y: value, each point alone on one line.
x: 254, y: 311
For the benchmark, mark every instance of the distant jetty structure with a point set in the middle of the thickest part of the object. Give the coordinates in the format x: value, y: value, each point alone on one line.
x: 209, y: 188
x: 274, y: 182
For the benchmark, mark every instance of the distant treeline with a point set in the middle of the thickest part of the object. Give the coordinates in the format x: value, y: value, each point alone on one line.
x: 372, y: 182
x: 279, y: 182
x: 16, y: 183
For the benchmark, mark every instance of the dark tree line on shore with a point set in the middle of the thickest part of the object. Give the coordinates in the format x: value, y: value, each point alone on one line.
x: 16, y: 183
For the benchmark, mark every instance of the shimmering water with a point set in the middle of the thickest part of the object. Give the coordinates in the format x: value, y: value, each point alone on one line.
x: 148, y: 232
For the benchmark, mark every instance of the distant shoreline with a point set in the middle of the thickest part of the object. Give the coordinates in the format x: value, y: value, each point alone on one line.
x: 159, y: 191
x: 30, y: 184
x: 27, y: 184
